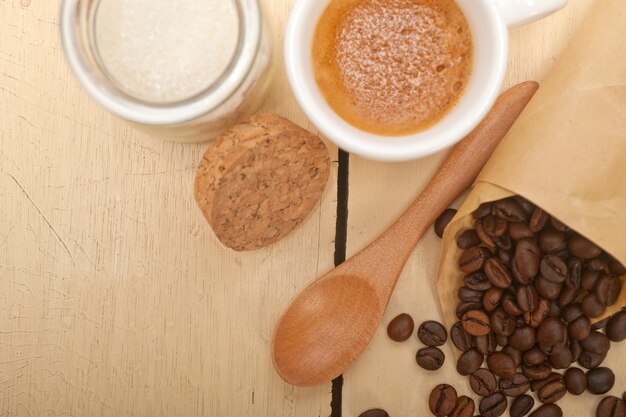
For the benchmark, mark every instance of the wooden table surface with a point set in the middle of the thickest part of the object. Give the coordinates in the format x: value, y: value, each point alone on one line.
x: 115, y: 297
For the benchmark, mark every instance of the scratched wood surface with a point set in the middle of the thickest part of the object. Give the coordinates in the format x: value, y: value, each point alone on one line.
x: 387, y: 375
x: 115, y: 298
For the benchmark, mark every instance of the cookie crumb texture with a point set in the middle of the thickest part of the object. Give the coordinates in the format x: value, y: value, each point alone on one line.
x: 259, y: 180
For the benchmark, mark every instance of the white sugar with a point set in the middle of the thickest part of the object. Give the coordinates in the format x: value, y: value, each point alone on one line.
x: 166, y: 50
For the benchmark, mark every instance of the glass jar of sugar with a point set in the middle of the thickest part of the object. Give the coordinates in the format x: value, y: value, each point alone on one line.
x: 182, y: 69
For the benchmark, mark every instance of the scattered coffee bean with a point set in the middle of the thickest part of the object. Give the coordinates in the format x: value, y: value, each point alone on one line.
x: 596, y: 342
x: 599, y: 325
x: 589, y: 279
x: 467, y: 294
x: 516, y: 355
x: 552, y: 240
x: 477, y: 281
x: 482, y: 211
x: 476, y: 323
x: 375, y: 412
x: 502, y: 324
x: 600, y: 380
x: 568, y: 295
x: 464, y: 407
x: 590, y: 360
x: 519, y: 231
x: 580, y: 328
x: 484, y: 237
x: 534, y: 356
x: 486, y: 344
x: 523, y: 338
x: 553, y: 269
x: 469, y: 362
x: 501, y: 365
x: 514, y: 387
x: 575, y: 381
x: 443, y: 220
x: 536, y: 385
x: 551, y: 335
x: 473, y: 259
x: 561, y: 359
x: 548, y: 410
x: 552, y: 391
x: 460, y: 338
x: 537, y: 372
x: 483, y: 382
x: 442, y: 400
x: 592, y: 307
x: 521, y: 406
x: 537, y: 316
x: 571, y: 312
x: 526, y: 261
x: 583, y: 248
x: 611, y: 407
x: 576, y: 348
x: 608, y: 289
x: 616, y: 327
x: 467, y: 239
x: 548, y: 289
x: 509, y: 210
x: 494, y: 226
x: 432, y: 333
x: 430, y: 358
x: 498, y: 273
x: 493, y: 405
x: 491, y: 298
x: 527, y: 298
x: 466, y: 306
x: 401, y: 328
x: 538, y: 220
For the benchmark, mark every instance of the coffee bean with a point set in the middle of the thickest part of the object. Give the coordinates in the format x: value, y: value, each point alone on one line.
x: 561, y: 359
x: 519, y: 231
x: 464, y: 407
x: 600, y: 264
x: 465, y: 306
x: 576, y: 348
x: 599, y: 325
x: 553, y: 269
x: 400, y: 328
x: 483, y: 210
x: 555, y: 309
x: 527, y: 297
x: 526, y: 262
x: 491, y: 298
x: 473, y: 259
x: 616, y: 327
x: 460, y: 338
x: 443, y: 220
x: 485, y: 344
x: 583, y: 248
x: 590, y: 360
x: 526, y: 205
x: 596, y: 342
x: 432, y: 334
x: 466, y: 294
x: 506, y: 256
x: 467, y: 239
x: 580, y: 328
x: 509, y: 210
x: 509, y: 305
x: 537, y: 316
x: 477, y: 281
x: 502, y: 340
x: 534, y: 356
x: 592, y: 306
x: 575, y: 272
x: 523, y: 339
x: 548, y: 410
x: 483, y: 382
x: 501, y: 323
x: 521, y: 406
x: 442, y: 400
x: 504, y: 244
x: 552, y: 391
x: 536, y: 385
x: 430, y: 358
x: 476, y: 323
x: 514, y: 387
x: 537, y: 372
x: 608, y: 289
x: 589, y: 279
x: 551, y: 335
x: 493, y: 405
x: 376, y: 412
x: 494, y: 226
x: 547, y: 289
x: 501, y: 365
x: 575, y: 381
x: 515, y: 354
x: 571, y: 312
x: 498, y: 273
x: 611, y: 407
x: 552, y: 240
x: 568, y: 295
x: 483, y: 236
x: 538, y: 220
x: 469, y: 362
x: 600, y: 380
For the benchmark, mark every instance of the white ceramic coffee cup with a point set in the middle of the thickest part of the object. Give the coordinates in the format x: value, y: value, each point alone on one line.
x: 489, y: 21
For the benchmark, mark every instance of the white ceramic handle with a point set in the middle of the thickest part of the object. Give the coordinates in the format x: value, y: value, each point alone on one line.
x: 520, y: 12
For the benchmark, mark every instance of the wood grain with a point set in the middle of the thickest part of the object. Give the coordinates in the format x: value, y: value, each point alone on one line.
x: 386, y: 375
x: 115, y: 297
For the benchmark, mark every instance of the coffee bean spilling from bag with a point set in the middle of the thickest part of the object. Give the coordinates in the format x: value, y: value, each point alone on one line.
x: 532, y: 287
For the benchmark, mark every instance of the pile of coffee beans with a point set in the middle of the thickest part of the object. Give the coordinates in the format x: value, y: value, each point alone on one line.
x: 532, y: 287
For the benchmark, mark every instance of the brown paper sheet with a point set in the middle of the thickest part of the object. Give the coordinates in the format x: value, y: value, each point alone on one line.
x: 567, y: 152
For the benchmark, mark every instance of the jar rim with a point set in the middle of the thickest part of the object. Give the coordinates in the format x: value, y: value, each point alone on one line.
x: 164, y: 114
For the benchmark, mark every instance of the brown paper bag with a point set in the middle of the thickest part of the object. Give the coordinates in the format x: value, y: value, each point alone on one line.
x: 567, y: 153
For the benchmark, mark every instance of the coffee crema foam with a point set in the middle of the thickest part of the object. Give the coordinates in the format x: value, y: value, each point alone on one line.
x: 392, y: 67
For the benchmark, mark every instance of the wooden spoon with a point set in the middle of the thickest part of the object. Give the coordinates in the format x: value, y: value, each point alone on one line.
x: 332, y: 321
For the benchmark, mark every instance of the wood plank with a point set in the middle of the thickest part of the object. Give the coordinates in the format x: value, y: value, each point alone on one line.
x: 387, y: 375
x: 115, y: 298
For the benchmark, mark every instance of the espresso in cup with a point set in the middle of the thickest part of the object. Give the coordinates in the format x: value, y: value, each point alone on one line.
x: 392, y: 67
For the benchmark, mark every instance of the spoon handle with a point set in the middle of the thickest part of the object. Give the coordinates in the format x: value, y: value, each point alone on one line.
x: 385, y: 258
